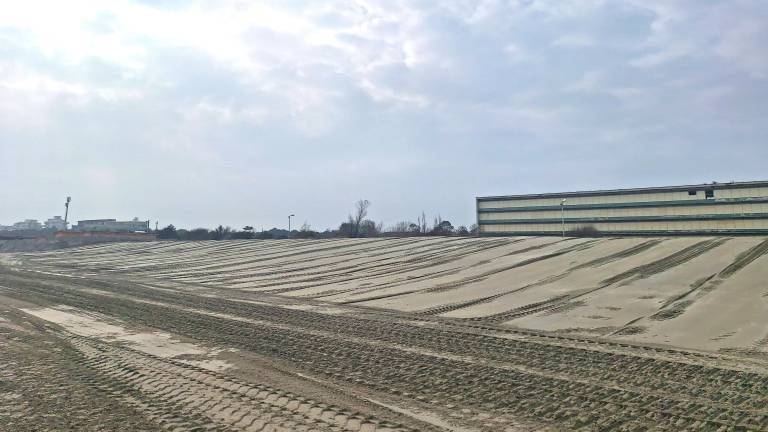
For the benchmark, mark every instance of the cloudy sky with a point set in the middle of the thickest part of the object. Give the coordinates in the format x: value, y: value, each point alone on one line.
x: 198, y: 113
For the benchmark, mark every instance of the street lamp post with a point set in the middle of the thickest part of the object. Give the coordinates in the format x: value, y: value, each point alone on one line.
x: 289, y: 223
x: 562, y: 214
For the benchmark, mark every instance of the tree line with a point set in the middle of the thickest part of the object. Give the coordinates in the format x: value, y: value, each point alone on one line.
x: 357, y: 225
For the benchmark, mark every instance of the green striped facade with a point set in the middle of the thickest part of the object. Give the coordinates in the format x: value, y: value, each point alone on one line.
x: 718, y: 208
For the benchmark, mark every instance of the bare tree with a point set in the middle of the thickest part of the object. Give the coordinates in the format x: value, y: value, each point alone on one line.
x: 401, y: 227
x: 443, y: 228
x: 420, y: 223
x: 423, y: 223
x: 438, y: 221
x: 368, y: 228
x: 361, y: 211
x: 306, y: 231
x: 221, y: 233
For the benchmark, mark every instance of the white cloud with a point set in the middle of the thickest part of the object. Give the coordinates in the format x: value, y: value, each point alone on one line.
x: 745, y: 45
x: 736, y: 31
x: 27, y: 96
x: 103, y: 178
x: 574, y: 40
x: 590, y: 81
x: 383, y: 94
x: 661, y: 56
x: 517, y: 54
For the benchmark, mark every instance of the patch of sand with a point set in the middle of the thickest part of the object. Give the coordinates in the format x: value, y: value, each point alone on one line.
x: 8, y: 259
x: 732, y: 316
x: 160, y: 344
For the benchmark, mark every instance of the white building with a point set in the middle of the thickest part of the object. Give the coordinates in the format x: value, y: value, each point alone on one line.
x: 55, y: 223
x: 27, y: 225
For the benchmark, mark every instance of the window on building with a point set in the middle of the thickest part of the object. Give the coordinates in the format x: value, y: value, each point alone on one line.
x: 692, y: 193
x: 710, y: 193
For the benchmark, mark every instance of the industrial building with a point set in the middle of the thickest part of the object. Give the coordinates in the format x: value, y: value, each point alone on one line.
x: 112, y: 225
x: 715, y: 208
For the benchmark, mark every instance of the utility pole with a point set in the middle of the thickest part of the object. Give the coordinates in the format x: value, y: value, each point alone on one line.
x: 289, y: 224
x: 562, y: 214
x: 66, y: 211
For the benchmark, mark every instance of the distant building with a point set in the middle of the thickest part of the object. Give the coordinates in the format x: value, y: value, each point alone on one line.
x: 55, y: 223
x: 27, y: 225
x: 113, y: 225
x: 715, y: 208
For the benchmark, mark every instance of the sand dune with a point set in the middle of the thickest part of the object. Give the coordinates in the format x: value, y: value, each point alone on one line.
x: 697, y: 292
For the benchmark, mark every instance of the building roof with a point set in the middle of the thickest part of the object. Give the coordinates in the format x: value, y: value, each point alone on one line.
x: 714, y: 185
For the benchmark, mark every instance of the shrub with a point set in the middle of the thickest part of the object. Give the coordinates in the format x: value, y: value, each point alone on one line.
x: 585, y: 231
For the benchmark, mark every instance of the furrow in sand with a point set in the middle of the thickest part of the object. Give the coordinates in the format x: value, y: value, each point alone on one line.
x: 465, y: 281
x: 668, y: 262
x: 626, y: 253
x: 744, y: 260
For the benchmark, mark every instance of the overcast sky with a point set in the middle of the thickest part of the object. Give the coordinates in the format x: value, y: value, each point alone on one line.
x: 223, y: 112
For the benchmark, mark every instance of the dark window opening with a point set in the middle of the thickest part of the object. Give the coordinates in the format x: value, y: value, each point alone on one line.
x: 710, y: 193
x: 691, y: 193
